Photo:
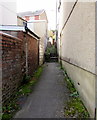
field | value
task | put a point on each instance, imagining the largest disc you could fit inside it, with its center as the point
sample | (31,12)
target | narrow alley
(48,98)
(56,41)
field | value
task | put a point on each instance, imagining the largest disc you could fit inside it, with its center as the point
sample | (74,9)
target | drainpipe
(26,43)
(26,49)
(56,21)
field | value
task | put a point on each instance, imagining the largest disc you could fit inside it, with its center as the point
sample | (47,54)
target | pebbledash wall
(77,47)
(19,57)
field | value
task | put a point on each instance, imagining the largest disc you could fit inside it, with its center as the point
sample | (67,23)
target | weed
(70,85)
(75,107)
(38,72)
(61,67)
(9,110)
(24,90)
(26,79)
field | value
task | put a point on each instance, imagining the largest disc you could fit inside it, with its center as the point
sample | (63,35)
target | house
(8,14)
(77,47)
(38,23)
(37,15)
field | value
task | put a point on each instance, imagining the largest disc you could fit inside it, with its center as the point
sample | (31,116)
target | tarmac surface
(49,96)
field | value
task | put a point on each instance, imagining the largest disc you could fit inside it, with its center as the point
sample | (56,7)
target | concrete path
(49,96)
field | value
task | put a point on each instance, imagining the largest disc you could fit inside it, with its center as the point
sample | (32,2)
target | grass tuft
(24,90)
(75,107)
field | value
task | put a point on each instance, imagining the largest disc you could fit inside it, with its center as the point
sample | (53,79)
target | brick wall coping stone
(12,27)
(7,35)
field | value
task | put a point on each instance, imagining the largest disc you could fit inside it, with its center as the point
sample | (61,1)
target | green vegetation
(10,109)
(75,107)
(51,49)
(50,52)
(26,88)
(70,84)
(37,74)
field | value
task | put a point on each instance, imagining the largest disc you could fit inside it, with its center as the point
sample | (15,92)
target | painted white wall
(79,36)
(78,48)
(62,17)
(31,26)
(8,14)
(40,27)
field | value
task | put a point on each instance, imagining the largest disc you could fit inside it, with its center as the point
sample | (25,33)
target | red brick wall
(27,18)
(14,60)
(33,48)
(37,17)
(33,54)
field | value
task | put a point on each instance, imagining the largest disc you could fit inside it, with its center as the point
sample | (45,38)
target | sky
(33,5)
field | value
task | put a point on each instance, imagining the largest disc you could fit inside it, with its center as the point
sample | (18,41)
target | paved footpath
(49,95)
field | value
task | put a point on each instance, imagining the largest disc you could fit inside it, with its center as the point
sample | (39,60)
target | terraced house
(38,23)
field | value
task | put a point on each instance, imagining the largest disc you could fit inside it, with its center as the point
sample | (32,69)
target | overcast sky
(32,5)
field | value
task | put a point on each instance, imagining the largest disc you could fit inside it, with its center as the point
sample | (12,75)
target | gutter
(35,21)
(28,30)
